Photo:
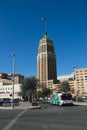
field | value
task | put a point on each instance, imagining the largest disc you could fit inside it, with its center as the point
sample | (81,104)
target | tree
(65,87)
(44,93)
(28,87)
(39,94)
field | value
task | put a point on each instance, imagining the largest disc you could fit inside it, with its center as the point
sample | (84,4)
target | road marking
(13,121)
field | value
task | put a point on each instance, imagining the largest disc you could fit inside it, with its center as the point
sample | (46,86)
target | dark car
(16,100)
(25,99)
(4,101)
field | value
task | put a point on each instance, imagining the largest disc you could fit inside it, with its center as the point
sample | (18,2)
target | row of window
(5,89)
(4,92)
(81,71)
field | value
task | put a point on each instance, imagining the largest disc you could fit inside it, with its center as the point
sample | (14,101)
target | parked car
(4,101)
(16,100)
(25,99)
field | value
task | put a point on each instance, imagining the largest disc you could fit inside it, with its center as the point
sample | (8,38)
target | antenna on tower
(45,24)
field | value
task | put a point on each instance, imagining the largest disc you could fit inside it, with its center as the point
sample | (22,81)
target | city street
(49,117)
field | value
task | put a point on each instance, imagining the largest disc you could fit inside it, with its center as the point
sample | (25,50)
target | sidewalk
(80,103)
(23,105)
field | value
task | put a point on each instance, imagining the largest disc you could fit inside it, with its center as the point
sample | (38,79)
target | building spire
(45,24)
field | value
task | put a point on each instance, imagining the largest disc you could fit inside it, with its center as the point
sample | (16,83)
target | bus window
(66,97)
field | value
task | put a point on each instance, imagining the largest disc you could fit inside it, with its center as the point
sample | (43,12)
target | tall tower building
(46,62)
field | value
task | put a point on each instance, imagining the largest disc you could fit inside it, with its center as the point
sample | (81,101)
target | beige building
(81,81)
(18,78)
(46,62)
(70,78)
(77,81)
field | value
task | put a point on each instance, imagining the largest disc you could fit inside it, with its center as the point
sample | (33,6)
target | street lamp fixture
(74,68)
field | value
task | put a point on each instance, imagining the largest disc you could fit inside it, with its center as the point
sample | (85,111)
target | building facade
(81,81)
(6,85)
(77,81)
(18,78)
(46,62)
(70,78)
(6,90)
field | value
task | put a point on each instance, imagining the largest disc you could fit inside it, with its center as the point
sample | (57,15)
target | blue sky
(21,29)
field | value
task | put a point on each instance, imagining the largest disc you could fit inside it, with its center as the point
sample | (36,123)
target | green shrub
(34,104)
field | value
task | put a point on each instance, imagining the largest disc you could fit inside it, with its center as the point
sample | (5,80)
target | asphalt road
(47,118)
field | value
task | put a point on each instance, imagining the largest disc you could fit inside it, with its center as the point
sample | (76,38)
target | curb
(34,107)
(79,103)
(19,107)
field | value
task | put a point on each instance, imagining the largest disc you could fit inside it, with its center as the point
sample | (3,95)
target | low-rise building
(77,81)
(6,91)
(18,78)
(6,85)
(70,78)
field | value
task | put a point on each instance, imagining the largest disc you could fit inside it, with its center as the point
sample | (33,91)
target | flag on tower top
(43,18)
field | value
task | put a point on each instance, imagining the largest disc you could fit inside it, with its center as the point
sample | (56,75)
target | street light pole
(74,68)
(14,58)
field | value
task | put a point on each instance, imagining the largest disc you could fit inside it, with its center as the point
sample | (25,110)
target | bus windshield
(66,97)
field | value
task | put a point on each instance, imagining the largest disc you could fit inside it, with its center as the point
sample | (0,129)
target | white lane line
(13,121)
